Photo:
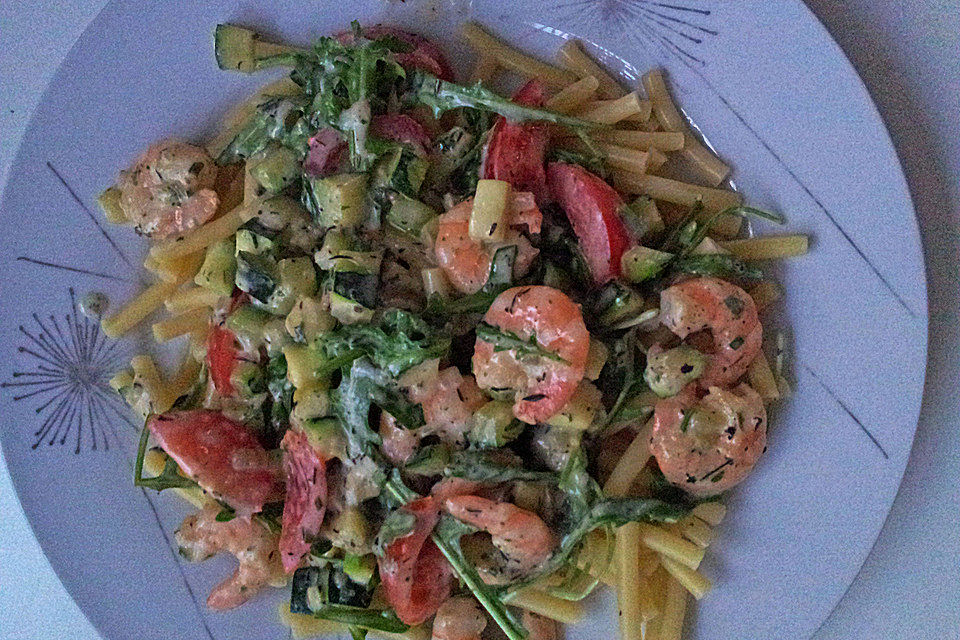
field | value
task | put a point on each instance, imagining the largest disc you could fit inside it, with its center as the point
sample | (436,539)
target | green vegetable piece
(642,217)
(494,425)
(239,49)
(219,269)
(618,302)
(360,568)
(429,460)
(348,311)
(719,265)
(359,287)
(409,215)
(503,340)
(256,275)
(336,201)
(642,263)
(670,371)
(247,322)
(297,279)
(252,242)
(275,168)
(247,378)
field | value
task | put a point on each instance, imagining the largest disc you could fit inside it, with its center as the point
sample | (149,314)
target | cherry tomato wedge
(222,358)
(415,575)
(221,455)
(305,472)
(592,206)
(516,150)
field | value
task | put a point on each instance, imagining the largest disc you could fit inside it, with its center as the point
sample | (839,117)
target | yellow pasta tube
(573,96)
(179,325)
(624,158)
(762,380)
(685,195)
(765,294)
(655,159)
(674,609)
(768,247)
(177,270)
(146,375)
(544,604)
(514,60)
(484,70)
(710,166)
(573,57)
(710,512)
(613,111)
(643,140)
(192,298)
(201,238)
(671,545)
(593,557)
(135,311)
(696,531)
(181,382)
(631,463)
(693,581)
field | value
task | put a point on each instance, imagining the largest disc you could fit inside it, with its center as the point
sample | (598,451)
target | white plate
(762,80)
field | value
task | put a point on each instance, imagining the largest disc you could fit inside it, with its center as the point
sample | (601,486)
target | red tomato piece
(305,503)
(325,152)
(222,358)
(592,206)
(424,55)
(515,151)
(400,127)
(222,456)
(415,575)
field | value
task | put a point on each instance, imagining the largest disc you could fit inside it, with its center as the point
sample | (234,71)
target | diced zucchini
(308,319)
(670,371)
(386,166)
(642,217)
(435,282)
(337,201)
(256,275)
(359,287)
(275,168)
(247,322)
(596,359)
(109,202)
(409,215)
(580,412)
(501,268)
(360,568)
(337,254)
(297,279)
(643,263)
(233,48)
(252,242)
(487,218)
(348,311)
(429,460)
(219,268)
(708,246)
(275,336)
(350,531)
(327,437)
(618,302)
(554,276)
(310,403)
(247,378)
(121,381)
(303,364)
(278,212)
(494,425)
(400,170)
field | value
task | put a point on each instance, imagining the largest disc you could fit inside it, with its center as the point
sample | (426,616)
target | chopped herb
(504,340)
(736,343)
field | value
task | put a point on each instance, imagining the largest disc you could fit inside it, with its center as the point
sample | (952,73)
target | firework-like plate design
(765,82)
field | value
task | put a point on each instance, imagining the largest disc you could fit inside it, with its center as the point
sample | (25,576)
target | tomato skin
(416,577)
(222,358)
(516,151)
(592,206)
(223,456)
(306,496)
(399,127)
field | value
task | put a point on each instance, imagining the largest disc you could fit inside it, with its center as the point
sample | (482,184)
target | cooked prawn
(727,312)
(202,536)
(710,445)
(459,618)
(520,535)
(539,627)
(169,189)
(467,261)
(448,405)
(542,385)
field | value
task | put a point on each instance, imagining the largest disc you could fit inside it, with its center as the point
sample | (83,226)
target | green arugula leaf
(503,340)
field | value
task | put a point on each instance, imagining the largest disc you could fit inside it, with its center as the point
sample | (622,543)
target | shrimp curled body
(459,618)
(169,189)
(727,312)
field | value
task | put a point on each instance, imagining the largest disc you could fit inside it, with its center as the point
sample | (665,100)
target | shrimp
(710,445)
(727,312)
(169,189)
(202,536)
(539,627)
(521,536)
(542,385)
(459,618)
(399,443)
(466,261)
(448,405)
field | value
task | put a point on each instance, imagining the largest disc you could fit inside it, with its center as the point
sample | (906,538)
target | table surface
(907,54)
